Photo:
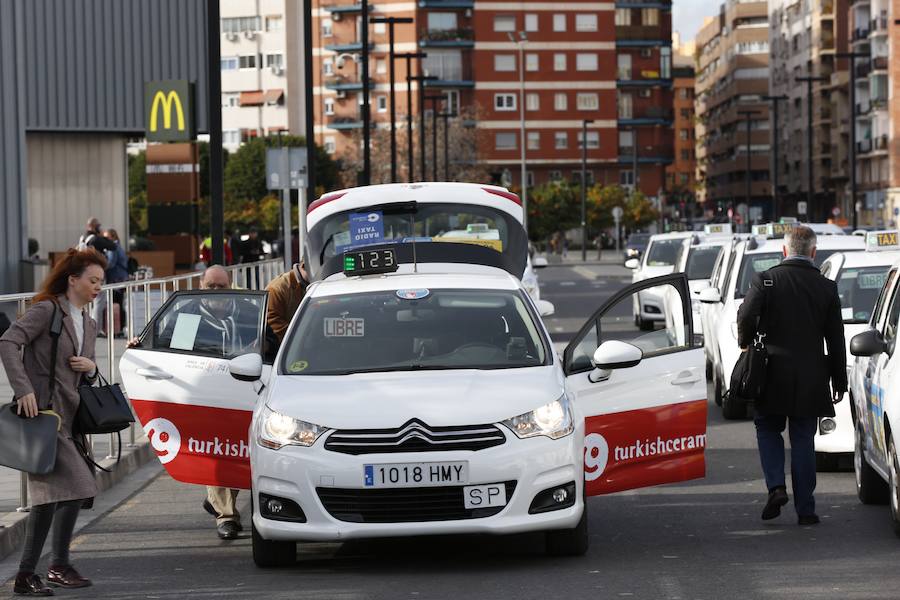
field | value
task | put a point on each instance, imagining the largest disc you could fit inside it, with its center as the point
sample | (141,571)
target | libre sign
(169,111)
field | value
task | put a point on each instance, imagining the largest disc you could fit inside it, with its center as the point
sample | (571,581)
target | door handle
(685,377)
(153,374)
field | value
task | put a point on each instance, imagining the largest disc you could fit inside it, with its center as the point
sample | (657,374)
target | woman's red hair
(73,264)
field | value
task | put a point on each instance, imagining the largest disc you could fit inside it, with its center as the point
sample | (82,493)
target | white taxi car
(413,398)
(726,294)
(860,277)
(662,254)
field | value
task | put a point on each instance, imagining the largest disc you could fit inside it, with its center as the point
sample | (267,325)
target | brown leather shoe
(67,577)
(29,584)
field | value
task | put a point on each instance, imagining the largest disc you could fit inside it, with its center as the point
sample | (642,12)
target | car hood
(650,272)
(698,285)
(438,398)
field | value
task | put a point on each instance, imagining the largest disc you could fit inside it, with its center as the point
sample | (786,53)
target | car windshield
(663,253)
(757,263)
(415,329)
(858,289)
(701,261)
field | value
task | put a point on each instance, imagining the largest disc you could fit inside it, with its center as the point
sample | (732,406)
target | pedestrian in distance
(285,294)
(116,272)
(26,350)
(93,238)
(797,308)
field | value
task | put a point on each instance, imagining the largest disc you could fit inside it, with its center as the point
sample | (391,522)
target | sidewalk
(607,257)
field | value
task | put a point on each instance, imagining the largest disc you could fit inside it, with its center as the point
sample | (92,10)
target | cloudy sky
(687,16)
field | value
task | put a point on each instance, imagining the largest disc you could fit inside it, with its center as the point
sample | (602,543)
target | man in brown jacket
(285,294)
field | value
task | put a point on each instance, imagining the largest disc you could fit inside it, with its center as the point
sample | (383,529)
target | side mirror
(632,263)
(867,343)
(246,367)
(539,263)
(710,296)
(615,354)
(545,309)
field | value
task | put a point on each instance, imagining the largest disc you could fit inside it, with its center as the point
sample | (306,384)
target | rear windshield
(757,263)
(858,289)
(638,238)
(701,261)
(664,253)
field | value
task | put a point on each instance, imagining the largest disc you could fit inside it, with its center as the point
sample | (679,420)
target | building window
(381,103)
(587,101)
(586,22)
(555,176)
(230,99)
(379,28)
(247,62)
(505,141)
(504,23)
(561,140)
(665,63)
(685,93)
(529,178)
(504,62)
(327,30)
(683,134)
(380,66)
(534,140)
(328,66)
(330,145)
(626,141)
(685,155)
(593,139)
(274,60)
(239,24)
(586,62)
(329,106)
(531,62)
(229,63)
(624,66)
(576,177)
(646,52)
(445,64)
(625,106)
(560,101)
(645,93)
(231,137)
(559,62)
(442,21)
(626,177)
(559,22)
(683,178)
(452,101)
(532,101)
(274,23)
(623,17)
(531,22)
(649,16)
(685,113)
(504,102)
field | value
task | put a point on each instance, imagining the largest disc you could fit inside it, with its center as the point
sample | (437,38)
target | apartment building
(681,174)
(731,81)
(261,52)
(644,84)
(805,37)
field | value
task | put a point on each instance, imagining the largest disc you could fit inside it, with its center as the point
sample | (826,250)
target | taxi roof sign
(881,241)
(774,230)
(717,229)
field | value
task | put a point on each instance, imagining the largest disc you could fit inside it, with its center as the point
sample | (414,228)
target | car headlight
(553,420)
(277,430)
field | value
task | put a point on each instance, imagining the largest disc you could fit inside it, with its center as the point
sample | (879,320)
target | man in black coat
(798,308)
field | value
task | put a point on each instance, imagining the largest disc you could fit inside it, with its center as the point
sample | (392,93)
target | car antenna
(412,233)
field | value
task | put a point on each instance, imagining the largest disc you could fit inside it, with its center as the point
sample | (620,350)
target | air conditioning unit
(341,94)
(231,36)
(335,16)
(249,34)
(277,70)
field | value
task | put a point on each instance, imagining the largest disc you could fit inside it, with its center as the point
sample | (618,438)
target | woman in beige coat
(26,350)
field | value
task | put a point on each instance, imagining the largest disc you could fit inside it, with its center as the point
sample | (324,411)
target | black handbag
(103,408)
(29,444)
(748,380)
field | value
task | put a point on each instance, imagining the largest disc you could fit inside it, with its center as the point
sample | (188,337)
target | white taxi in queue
(417,399)
(663,252)
(859,277)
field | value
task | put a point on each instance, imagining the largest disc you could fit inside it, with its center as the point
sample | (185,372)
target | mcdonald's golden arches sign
(169,111)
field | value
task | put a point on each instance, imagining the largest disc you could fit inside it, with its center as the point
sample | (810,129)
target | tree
(552,207)
(637,210)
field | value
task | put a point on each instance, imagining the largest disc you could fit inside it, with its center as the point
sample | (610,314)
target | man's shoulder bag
(748,380)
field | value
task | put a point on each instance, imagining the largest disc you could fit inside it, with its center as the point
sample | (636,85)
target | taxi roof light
(718,229)
(883,240)
(773,231)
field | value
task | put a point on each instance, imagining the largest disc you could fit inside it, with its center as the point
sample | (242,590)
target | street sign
(836,211)
(617,213)
(169,111)
(287,173)
(801,207)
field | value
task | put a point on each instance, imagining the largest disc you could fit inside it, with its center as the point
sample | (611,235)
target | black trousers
(62,516)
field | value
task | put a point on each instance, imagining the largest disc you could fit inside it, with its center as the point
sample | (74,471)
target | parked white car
(663,253)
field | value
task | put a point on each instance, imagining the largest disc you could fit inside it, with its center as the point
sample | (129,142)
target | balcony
(660,4)
(863,108)
(860,34)
(344,83)
(863,146)
(880,63)
(828,7)
(879,24)
(344,8)
(646,78)
(643,33)
(863,70)
(448,38)
(445,4)
(344,123)
(880,142)
(660,154)
(349,47)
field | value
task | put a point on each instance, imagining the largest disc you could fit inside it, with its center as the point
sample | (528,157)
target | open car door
(196,415)
(643,393)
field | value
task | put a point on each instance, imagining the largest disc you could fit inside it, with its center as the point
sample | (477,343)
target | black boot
(29,584)
(777,498)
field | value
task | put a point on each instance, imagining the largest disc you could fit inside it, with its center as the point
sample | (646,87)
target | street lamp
(747,114)
(810,194)
(409,56)
(434,100)
(366,116)
(776,134)
(584,124)
(421,79)
(523,38)
(853,56)
(445,116)
(391,21)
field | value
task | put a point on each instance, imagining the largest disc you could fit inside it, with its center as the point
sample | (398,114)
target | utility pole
(434,115)
(409,56)
(584,241)
(214,114)
(776,134)
(523,167)
(810,193)
(421,79)
(309,110)
(445,116)
(366,114)
(853,56)
(391,21)
(747,114)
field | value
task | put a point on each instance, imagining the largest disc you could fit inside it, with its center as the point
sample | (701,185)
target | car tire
(733,408)
(569,542)
(870,487)
(894,485)
(267,553)
(827,462)
(717,387)
(709,370)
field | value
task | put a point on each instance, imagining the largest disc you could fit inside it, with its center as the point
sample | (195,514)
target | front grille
(414,436)
(404,505)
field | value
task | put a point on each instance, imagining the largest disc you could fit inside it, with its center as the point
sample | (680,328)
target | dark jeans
(62,515)
(802,431)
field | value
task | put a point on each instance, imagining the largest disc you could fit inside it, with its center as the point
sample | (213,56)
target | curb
(12,525)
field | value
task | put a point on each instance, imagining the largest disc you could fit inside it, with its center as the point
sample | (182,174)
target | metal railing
(150,294)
